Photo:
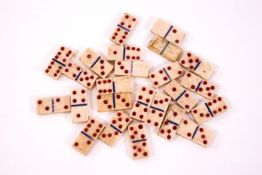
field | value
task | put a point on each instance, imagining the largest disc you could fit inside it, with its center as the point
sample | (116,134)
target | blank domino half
(132,68)
(164,48)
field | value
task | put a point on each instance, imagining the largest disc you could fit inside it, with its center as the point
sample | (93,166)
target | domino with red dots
(79,105)
(157,109)
(171,122)
(51,105)
(138,140)
(115,129)
(168,31)
(113,102)
(199,134)
(84,77)
(114,94)
(58,62)
(97,63)
(123,29)
(197,65)
(198,85)
(142,104)
(114,85)
(164,48)
(166,74)
(131,68)
(88,136)
(124,52)
(180,95)
(207,110)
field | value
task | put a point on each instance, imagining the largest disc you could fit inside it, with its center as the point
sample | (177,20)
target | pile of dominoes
(180,100)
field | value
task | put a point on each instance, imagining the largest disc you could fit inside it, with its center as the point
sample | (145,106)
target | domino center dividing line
(124,52)
(209,110)
(174,123)
(94,63)
(78,75)
(180,95)
(136,141)
(122,27)
(198,86)
(140,102)
(158,109)
(58,62)
(113,94)
(53,105)
(115,128)
(168,31)
(131,68)
(164,48)
(87,135)
(167,74)
(197,65)
(194,133)
(79,105)
(113,87)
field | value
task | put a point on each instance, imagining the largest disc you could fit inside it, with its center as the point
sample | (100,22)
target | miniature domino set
(179,100)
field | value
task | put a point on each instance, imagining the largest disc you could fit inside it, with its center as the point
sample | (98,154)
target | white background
(227,33)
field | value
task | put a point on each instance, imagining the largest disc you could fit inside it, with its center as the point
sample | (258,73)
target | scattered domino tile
(157,109)
(123,29)
(58,62)
(142,104)
(197,65)
(88,136)
(84,77)
(197,133)
(167,31)
(97,63)
(166,74)
(124,52)
(114,85)
(115,128)
(171,122)
(79,105)
(114,94)
(131,68)
(114,101)
(51,105)
(180,95)
(164,48)
(198,85)
(207,110)
(138,140)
